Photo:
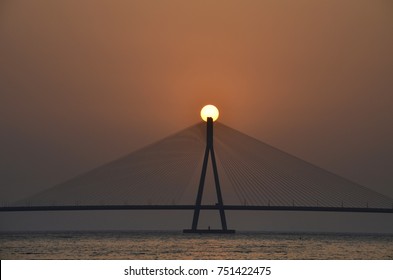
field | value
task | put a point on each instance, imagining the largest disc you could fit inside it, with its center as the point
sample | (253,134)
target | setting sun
(209,111)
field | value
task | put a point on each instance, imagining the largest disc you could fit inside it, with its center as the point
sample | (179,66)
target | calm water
(175,245)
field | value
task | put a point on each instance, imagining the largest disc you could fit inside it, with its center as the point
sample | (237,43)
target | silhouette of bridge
(165,174)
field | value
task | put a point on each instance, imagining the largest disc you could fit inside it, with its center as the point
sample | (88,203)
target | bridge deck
(192,207)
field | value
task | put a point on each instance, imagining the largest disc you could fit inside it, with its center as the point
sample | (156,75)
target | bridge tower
(220,204)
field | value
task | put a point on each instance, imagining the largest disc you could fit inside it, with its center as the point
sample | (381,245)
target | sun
(209,111)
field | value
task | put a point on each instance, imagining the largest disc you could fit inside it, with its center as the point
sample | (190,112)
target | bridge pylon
(220,204)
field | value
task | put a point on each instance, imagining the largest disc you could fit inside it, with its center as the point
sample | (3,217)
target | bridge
(175,174)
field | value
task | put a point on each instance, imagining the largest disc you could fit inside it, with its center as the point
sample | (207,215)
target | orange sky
(84,82)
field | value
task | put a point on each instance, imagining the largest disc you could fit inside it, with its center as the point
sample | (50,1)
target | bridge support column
(220,204)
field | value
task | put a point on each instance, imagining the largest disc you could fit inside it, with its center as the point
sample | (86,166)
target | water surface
(176,245)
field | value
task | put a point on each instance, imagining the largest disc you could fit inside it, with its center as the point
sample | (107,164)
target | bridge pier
(209,150)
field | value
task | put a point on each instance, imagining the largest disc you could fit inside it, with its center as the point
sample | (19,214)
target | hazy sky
(84,82)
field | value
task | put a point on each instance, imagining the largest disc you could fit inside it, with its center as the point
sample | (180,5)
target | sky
(85,82)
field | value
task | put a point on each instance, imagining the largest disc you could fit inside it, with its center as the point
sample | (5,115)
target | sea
(140,245)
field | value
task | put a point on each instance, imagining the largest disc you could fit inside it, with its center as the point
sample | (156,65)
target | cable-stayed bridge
(165,175)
